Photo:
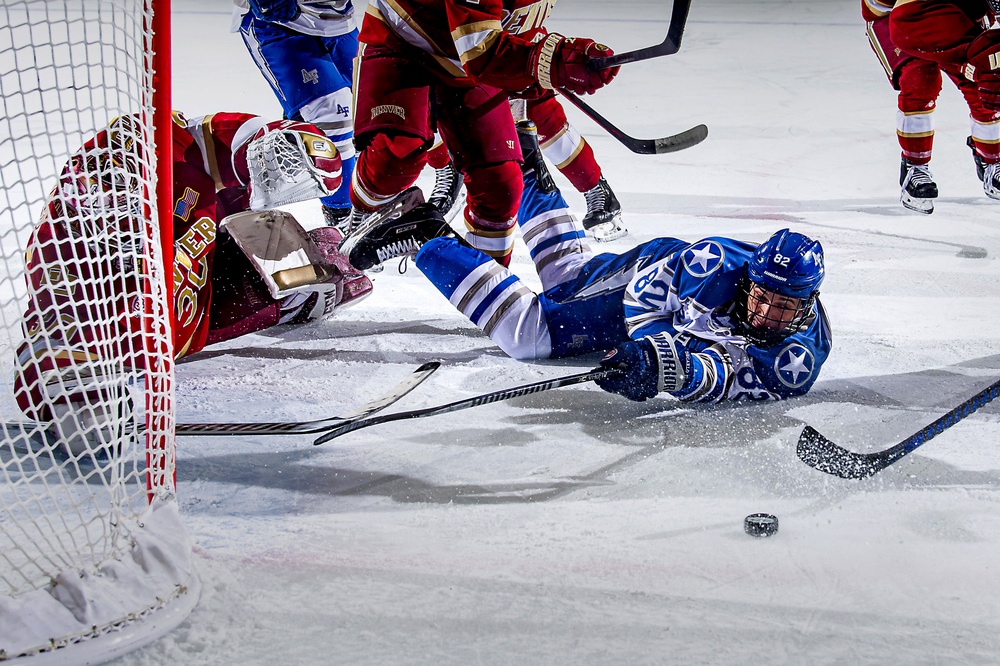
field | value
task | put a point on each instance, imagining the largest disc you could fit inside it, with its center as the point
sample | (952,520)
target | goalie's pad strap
(293,278)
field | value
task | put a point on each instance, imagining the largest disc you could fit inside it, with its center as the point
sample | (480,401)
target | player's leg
(918,82)
(553,236)
(311,78)
(392,129)
(984,139)
(490,295)
(919,87)
(565,147)
(478,128)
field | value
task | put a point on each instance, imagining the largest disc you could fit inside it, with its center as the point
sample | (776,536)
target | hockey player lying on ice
(712,320)
(80,268)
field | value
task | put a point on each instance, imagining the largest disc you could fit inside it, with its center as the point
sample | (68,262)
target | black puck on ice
(760,524)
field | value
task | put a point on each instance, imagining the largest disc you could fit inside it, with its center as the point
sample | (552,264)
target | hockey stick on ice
(669,46)
(484,399)
(305,427)
(667,144)
(817,451)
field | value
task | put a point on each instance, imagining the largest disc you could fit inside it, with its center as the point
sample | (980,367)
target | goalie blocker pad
(281,251)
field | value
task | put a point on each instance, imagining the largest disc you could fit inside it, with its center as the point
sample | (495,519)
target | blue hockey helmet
(780,287)
(789,264)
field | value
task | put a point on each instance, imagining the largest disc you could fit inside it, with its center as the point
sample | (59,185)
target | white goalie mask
(102,192)
(290,162)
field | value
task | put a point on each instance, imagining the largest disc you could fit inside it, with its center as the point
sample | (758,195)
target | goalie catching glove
(649,366)
(286,162)
(562,62)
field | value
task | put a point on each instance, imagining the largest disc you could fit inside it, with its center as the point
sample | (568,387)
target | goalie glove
(983,67)
(649,366)
(561,62)
(275,10)
(288,161)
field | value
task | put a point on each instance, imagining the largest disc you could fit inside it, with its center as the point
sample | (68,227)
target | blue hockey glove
(275,10)
(650,365)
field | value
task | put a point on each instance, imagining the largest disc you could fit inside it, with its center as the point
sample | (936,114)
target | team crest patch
(186,204)
(703,258)
(794,365)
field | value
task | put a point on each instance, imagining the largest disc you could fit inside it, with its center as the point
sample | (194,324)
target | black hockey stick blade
(667,144)
(486,398)
(820,453)
(670,45)
(416,378)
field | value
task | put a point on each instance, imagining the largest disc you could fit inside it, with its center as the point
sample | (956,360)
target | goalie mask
(100,197)
(780,287)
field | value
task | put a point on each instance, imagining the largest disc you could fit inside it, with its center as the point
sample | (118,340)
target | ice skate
(338,218)
(397,230)
(977,158)
(448,193)
(991,180)
(531,153)
(603,218)
(918,187)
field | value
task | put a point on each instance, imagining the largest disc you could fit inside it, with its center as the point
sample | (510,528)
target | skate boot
(448,192)
(977,158)
(918,187)
(531,152)
(339,218)
(991,181)
(399,229)
(603,218)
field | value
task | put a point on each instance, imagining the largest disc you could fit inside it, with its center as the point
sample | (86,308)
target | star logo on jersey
(704,258)
(794,365)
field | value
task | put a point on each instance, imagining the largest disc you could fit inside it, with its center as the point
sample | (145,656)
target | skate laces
(444,180)
(400,248)
(919,174)
(991,180)
(595,198)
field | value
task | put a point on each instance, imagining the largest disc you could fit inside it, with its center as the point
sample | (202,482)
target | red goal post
(94,558)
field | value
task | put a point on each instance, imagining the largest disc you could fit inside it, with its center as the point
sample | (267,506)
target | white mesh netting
(85,364)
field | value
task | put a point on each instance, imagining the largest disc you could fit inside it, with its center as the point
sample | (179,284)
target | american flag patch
(186,204)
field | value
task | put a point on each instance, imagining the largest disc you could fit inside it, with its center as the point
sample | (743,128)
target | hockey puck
(760,524)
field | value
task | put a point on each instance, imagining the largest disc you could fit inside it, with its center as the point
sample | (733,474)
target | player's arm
(492,56)
(658,363)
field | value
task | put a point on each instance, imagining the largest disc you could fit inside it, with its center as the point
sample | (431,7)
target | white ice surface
(576,527)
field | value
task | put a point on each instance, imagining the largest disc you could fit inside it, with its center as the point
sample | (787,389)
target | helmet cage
(766,317)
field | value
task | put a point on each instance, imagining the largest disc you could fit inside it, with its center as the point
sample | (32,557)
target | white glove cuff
(672,375)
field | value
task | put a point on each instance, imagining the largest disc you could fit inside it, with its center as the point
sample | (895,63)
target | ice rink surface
(576,527)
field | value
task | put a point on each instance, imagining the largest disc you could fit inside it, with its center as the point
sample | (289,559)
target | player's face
(770,311)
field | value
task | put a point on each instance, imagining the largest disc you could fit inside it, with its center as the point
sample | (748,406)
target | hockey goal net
(94,560)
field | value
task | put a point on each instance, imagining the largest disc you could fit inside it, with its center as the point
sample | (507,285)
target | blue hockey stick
(817,451)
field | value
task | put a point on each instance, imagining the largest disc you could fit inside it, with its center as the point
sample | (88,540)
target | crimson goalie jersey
(81,296)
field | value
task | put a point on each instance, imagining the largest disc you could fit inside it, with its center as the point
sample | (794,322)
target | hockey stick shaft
(667,144)
(817,451)
(416,378)
(486,398)
(670,44)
